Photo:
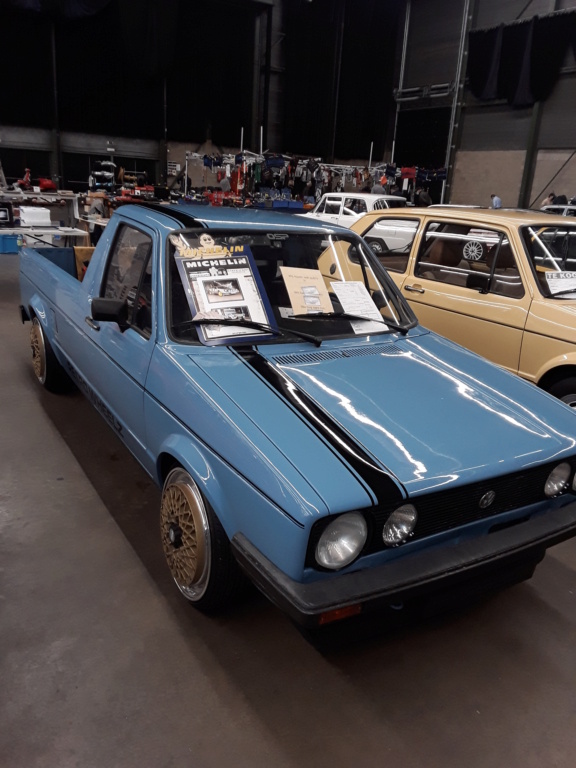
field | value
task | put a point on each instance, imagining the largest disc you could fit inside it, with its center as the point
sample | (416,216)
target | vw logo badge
(487,499)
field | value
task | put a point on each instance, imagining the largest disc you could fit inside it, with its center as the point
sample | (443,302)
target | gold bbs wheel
(47,369)
(38,351)
(186,536)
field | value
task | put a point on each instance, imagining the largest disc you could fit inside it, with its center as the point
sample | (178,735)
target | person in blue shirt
(496,201)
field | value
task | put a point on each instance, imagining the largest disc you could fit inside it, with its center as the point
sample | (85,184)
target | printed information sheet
(220,284)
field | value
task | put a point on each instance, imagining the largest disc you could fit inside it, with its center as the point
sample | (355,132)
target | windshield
(229,287)
(552,256)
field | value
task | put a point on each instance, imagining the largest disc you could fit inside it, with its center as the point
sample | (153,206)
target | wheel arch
(181,451)
(556,374)
(36,308)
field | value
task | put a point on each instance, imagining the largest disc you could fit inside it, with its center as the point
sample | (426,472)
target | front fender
(241,507)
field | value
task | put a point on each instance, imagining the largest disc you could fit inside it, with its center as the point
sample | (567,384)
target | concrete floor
(104,665)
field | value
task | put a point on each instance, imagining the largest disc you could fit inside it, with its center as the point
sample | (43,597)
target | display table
(98,221)
(40,235)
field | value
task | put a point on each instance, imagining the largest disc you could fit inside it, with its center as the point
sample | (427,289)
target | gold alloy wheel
(185,534)
(38,350)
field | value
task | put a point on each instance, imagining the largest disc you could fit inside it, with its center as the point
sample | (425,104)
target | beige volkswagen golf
(500,282)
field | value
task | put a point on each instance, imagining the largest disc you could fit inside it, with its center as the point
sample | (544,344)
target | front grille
(446,510)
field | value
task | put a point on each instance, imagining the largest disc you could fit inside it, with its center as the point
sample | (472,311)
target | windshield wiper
(347,316)
(280,331)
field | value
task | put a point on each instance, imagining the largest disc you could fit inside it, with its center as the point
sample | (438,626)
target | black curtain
(520,62)
(70,9)
(553,36)
(421,137)
(357,74)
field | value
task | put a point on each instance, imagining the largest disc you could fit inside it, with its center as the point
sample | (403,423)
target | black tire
(47,369)
(196,547)
(565,390)
(378,245)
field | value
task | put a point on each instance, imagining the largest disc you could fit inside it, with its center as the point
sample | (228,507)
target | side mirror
(111,311)
(478,281)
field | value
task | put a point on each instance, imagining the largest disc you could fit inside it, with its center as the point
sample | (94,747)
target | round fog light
(400,525)
(341,541)
(557,481)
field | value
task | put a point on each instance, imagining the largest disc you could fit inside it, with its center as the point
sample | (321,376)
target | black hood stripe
(384,488)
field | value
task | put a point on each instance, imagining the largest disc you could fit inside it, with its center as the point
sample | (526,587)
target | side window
(354,206)
(463,255)
(391,240)
(332,207)
(505,277)
(129,276)
(380,205)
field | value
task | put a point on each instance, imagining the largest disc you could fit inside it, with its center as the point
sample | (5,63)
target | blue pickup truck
(307,433)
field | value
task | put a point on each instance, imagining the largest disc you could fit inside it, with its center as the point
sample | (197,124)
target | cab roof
(223,217)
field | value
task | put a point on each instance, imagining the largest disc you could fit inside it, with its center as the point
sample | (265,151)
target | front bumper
(441,569)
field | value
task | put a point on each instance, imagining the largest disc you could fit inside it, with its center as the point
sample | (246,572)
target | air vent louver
(323,355)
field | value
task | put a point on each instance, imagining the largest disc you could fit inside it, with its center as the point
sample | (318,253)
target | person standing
(496,201)
(422,197)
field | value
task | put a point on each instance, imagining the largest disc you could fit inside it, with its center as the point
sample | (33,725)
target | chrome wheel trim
(569,399)
(38,350)
(189,556)
(473,250)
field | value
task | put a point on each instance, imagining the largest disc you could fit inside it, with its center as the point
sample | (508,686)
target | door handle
(414,289)
(91,323)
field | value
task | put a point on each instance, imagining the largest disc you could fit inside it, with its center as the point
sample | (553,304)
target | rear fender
(39,308)
(558,368)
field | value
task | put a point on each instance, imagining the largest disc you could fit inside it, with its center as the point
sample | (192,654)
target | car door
(466,285)
(328,209)
(112,364)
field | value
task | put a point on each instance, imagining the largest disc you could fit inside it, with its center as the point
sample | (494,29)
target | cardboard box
(32,216)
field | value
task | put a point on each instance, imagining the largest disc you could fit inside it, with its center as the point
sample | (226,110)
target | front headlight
(400,525)
(341,541)
(558,479)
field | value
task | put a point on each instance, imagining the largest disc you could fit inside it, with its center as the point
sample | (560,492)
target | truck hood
(427,411)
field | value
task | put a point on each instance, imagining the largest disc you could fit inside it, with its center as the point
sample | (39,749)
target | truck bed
(72,260)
